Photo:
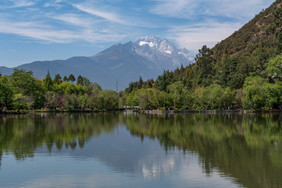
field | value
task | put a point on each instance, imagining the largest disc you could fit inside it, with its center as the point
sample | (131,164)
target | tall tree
(65,79)
(6,95)
(71,78)
(57,79)
(79,80)
(48,83)
(204,66)
(140,82)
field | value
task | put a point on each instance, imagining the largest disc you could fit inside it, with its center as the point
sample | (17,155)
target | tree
(48,83)
(79,80)
(274,67)
(71,78)
(65,79)
(258,93)
(108,100)
(69,88)
(6,95)
(204,66)
(178,93)
(163,81)
(83,81)
(57,79)
(140,82)
(25,84)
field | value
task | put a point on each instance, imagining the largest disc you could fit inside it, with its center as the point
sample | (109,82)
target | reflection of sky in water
(110,160)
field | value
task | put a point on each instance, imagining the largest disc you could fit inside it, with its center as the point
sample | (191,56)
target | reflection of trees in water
(22,135)
(247,147)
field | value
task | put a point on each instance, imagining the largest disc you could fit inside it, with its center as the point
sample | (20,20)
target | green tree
(178,93)
(69,88)
(6,96)
(274,67)
(48,82)
(258,93)
(21,102)
(108,100)
(71,78)
(140,82)
(25,84)
(65,79)
(163,81)
(204,66)
(57,79)
(79,80)
(82,81)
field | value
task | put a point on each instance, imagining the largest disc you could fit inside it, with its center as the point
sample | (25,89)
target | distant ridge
(147,57)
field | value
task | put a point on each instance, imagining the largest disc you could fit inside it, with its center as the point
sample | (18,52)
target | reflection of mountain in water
(248,148)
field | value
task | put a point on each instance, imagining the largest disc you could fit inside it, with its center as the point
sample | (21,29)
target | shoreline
(13,112)
(202,111)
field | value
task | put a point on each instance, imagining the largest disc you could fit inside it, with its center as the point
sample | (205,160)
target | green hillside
(264,31)
(244,70)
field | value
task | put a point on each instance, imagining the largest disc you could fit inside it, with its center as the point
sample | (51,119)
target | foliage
(48,82)
(6,95)
(275,67)
(24,83)
(71,78)
(58,79)
(258,93)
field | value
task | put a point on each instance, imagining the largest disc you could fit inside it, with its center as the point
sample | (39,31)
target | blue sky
(33,30)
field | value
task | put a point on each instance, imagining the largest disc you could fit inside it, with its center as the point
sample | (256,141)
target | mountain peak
(164,46)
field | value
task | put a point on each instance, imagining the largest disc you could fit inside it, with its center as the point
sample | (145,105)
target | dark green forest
(243,71)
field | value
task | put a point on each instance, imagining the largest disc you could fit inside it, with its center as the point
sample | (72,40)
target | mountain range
(147,57)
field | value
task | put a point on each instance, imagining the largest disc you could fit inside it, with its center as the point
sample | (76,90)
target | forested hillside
(242,70)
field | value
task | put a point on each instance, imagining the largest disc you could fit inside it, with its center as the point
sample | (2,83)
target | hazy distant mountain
(147,57)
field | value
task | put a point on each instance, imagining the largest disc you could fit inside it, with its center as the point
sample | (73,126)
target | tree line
(206,89)
(22,91)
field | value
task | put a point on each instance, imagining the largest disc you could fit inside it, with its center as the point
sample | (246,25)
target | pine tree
(57,79)
(79,80)
(48,83)
(71,78)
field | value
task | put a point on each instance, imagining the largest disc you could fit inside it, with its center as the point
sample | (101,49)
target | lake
(131,150)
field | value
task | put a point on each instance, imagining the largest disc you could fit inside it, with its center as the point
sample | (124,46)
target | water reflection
(247,149)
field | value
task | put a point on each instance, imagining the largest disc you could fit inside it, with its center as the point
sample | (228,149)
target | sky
(32,30)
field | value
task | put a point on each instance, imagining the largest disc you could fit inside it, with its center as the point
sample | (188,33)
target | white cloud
(74,19)
(173,8)
(21,3)
(103,14)
(193,37)
(191,8)
(46,33)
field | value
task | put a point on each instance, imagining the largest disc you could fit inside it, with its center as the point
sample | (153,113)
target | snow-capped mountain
(163,53)
(147,57)
(156,43)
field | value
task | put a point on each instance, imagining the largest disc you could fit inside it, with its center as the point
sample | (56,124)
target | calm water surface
(129,150)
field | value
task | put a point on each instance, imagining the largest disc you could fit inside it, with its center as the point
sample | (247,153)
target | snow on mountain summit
(162,52)
(156,43)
